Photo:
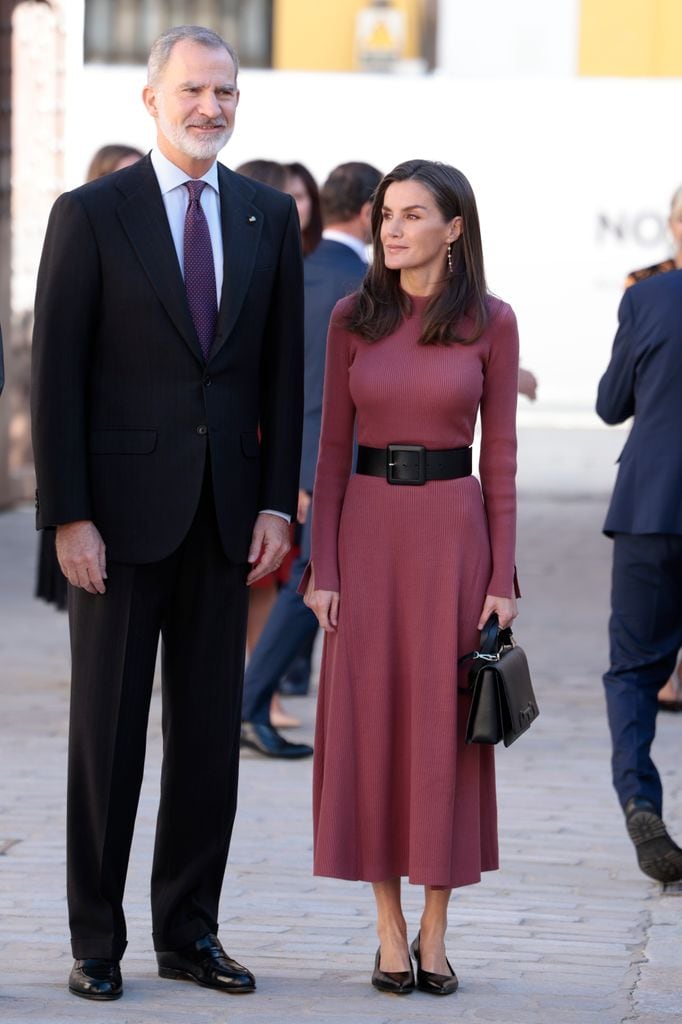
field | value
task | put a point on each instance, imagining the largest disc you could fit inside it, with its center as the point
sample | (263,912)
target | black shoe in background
(266,740)
(658,855)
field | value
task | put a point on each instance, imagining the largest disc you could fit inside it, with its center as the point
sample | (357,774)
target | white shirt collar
(171,176)
(351,241)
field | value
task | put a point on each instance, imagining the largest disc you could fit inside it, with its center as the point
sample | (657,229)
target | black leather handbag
(503,704)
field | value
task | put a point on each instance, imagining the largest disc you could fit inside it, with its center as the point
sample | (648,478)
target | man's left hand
(269,545)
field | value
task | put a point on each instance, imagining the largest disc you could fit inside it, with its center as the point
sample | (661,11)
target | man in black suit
(167,413)
(644,380)
(334,269)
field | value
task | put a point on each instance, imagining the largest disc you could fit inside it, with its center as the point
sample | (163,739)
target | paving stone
(567,932)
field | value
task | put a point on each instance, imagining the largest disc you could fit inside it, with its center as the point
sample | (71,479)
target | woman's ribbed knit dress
(397,792)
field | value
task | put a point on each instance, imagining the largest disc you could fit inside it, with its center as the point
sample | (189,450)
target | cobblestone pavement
(567,932)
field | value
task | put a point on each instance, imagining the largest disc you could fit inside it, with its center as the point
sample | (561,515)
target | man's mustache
(208,123)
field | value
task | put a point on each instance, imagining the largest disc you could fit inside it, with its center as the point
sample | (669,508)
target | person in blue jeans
(334,269)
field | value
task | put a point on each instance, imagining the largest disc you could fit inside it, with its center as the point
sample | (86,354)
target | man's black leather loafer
(95,978)
(206,962)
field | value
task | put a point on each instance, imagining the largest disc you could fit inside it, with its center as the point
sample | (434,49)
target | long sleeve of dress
(335,455)
(497,464)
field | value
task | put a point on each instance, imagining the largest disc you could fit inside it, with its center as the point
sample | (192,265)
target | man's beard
(193,146)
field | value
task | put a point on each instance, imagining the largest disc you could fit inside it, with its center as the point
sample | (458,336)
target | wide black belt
(413,463)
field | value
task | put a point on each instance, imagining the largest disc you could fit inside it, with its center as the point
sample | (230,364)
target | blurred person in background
(51,583)
(263,593)
(303,188)
(528,384)
(301,185)
(297,180)
(644,380)
(113,157)
(268,172)
(410,556)
(675,261)
(334,269)
(670,696)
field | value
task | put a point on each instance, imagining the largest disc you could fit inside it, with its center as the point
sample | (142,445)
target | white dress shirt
(171,179)
(176,200)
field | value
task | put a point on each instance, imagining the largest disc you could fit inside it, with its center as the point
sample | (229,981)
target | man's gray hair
(161,49)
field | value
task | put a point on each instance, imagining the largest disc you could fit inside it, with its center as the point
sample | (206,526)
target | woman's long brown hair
(312,234)
(381,303)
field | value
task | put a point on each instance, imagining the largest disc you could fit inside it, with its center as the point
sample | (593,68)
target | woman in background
(113,157)
(302,187)
(263,593)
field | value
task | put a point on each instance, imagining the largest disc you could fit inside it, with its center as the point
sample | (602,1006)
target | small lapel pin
(252,219)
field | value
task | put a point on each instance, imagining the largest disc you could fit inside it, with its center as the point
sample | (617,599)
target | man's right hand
(80,553)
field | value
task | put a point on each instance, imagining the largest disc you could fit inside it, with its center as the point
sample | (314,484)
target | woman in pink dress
(410,556)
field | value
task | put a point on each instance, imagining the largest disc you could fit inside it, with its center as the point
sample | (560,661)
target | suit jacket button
(202,429)
(206,381)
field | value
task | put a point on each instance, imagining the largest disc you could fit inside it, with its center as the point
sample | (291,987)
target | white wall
(556,165)
(498,38)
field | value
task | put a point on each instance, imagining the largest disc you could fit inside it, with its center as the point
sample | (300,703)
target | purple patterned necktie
(199,269)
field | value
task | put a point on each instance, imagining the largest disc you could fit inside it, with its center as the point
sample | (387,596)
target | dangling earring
(449,257)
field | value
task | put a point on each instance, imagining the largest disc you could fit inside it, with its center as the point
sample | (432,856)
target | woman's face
(296,189)
(675,225)
(414,233)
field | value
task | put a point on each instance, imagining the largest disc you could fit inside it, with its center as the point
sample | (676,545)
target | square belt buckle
(410,457)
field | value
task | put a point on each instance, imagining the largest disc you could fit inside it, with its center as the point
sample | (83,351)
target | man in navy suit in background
(332,271)
(644,380)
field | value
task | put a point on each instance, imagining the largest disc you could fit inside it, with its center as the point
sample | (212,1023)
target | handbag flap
(519,707)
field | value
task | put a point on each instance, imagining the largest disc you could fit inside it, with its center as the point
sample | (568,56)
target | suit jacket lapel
(144,220)
(242,223)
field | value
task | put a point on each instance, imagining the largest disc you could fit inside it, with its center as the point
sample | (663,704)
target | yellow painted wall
(631,38)
(318,35)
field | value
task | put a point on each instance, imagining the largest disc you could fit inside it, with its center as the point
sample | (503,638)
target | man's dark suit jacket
(644,380)
(125,410)
(332,271)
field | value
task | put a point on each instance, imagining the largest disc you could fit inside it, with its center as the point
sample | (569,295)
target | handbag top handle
(492,641)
